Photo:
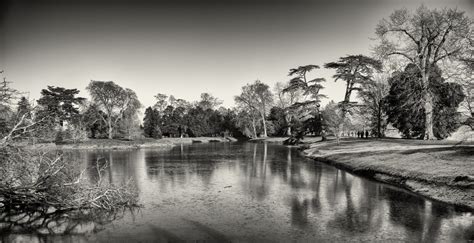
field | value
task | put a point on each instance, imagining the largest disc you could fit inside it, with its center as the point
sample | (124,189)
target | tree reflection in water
(235,191)
(48,222)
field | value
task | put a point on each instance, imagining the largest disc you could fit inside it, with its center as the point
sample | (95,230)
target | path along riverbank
(440,170)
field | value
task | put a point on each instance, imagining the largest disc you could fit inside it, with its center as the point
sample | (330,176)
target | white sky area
(186,50)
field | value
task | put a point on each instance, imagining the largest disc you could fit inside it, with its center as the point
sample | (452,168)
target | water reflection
(250,192)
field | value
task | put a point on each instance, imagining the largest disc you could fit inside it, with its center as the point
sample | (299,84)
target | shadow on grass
(457,151)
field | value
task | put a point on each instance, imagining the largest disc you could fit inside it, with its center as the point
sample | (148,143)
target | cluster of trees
(410,82)
(173,117)
(419,77)
(33,182)
(60,114)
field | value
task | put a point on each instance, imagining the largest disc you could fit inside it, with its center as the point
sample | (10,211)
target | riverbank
(133,144)
(441,170)
(280,140)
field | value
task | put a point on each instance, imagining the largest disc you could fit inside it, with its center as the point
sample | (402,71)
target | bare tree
(425,38)
(256,97)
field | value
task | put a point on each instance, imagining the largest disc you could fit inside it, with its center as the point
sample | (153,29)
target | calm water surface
(264,192)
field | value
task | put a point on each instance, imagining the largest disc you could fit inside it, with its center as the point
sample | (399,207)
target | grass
(443,170)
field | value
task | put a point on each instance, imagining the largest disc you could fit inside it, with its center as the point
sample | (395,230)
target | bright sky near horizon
(185,48)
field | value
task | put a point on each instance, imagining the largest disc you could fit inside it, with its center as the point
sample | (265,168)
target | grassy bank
(442,170)
(135,144)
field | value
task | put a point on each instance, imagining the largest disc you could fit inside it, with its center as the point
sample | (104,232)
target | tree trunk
(379,122)
(429,135)
(264,126)
(254,129)
(428,99)
(109,121)
(288,120)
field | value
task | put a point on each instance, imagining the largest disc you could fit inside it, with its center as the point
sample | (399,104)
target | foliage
(277,119)
(256,98)
(94,122)
(310,88)
(373,95)
(151,123)
(333,119)
(355,70)
(115,102)
(59,104)
(208,102)
(424,39)
(406,111)
(309,105)
(285,100)
(33,181)
(161,102)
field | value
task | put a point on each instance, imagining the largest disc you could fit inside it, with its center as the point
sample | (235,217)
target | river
(263,192)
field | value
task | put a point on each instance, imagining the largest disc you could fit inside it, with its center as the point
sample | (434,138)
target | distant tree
(129,124)
(248,110)
(151,123)
(278,120)
(23,107)
(257,97)
(7,93)
(333,118)
(373,95)
(355,70)
(197,122)
(310,104)
(405,109)
(7,97)
(182,103)
(94,122)
(425,38)
(285,100)
(161,102)
(245,121)
(311,87)
(208,101)
(113,100)
(59,104)
(229,123)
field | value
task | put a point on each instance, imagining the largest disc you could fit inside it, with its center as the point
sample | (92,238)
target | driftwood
(43,190)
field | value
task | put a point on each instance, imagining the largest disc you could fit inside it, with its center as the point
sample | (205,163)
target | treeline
(418,81)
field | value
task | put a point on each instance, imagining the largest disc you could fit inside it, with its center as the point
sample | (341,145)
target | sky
(185,47)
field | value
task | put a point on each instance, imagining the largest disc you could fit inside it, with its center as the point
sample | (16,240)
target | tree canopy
(113,100)
(406,110)
(424,38)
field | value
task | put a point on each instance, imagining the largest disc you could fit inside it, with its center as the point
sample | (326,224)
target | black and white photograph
(236,121)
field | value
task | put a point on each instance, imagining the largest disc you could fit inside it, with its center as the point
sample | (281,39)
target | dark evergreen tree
(94,121)
(59,104)
(405,106)
(151,123)
(23,107)
(278,122)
